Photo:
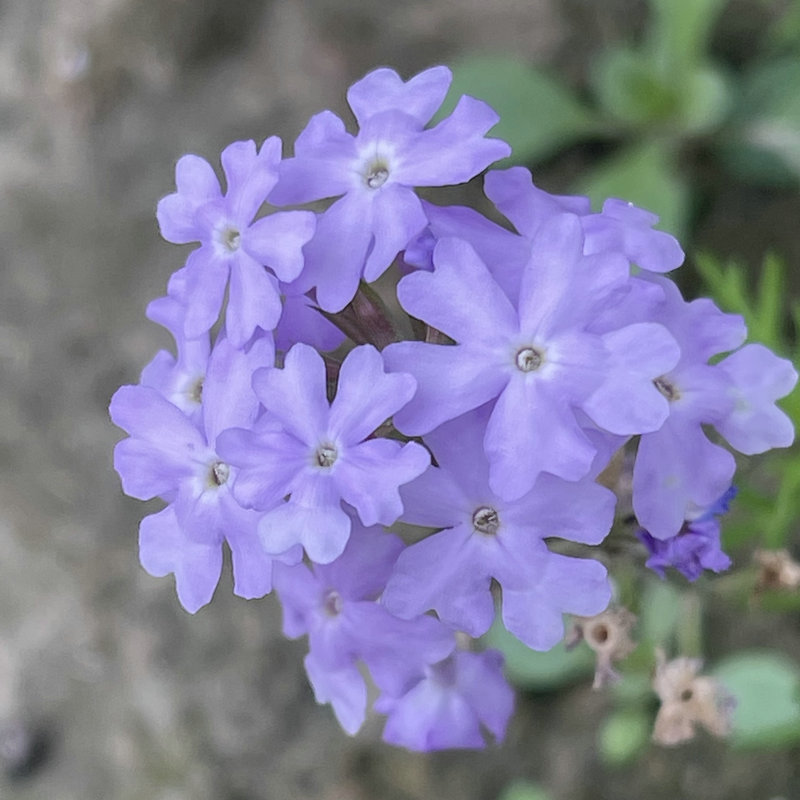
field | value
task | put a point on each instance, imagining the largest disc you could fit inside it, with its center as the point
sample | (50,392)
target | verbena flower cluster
(305,411)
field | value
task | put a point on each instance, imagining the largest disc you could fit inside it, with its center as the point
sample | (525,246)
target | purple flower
(451,705)
(677,467)
(620,227)
(179,380)
(319,453)
(503,252)
(541,361)
(335,605)
(301,321)
(758,378)
(486,537)
(625,227)
(233,248)
(171,456)
(374,172)
(696,547)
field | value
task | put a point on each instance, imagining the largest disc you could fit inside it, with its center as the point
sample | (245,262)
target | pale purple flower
(620,227)
(758,378)
(234,247)
(301,321)
(623,226)
(541,361)
(677,467)
(335,605)
(374,172)
(319,454)
(178,378)
(504,253)
(451,704)
(171,456)
(485,537)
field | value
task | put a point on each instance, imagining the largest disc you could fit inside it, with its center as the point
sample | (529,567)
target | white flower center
(332,603)
(377,173)
(219,473)
(196,390)
(667,388)
(486,520)
(326,455)
(231,239)
(528,359)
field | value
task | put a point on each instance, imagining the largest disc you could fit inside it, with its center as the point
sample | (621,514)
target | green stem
(690,626)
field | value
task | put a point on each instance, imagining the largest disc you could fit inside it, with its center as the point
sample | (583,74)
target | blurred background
(108,689)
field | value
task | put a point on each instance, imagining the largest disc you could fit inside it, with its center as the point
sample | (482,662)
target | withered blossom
(777,570)
(688,700)
(609,635)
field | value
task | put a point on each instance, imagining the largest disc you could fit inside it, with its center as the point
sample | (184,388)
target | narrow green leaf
(725,283)
(764,307)
(538,114)
(770,304)
(778,525)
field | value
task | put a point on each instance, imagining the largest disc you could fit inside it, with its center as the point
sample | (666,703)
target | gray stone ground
(108,689)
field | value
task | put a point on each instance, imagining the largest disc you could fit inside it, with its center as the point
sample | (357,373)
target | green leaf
(647,176)
(769,311)
(766,686)
(763,306)
(524,790)
(764,142)
(680,31)
(540,671)
(538,115)
(623,736)
(784,33)
(706,101)
(630,88)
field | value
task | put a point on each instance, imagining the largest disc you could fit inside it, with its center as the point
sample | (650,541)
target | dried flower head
(688,700)
(608,634)
(777,570)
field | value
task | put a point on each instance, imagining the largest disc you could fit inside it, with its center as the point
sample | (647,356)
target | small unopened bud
(608,634)
(777,570)
(688,699)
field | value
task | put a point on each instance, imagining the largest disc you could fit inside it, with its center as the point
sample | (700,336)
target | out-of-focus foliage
(766,686)
(659,108)
(624,735)
(524,790)
(559,118)
(652,99)
(539,671)
(763,142)
(773,513)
